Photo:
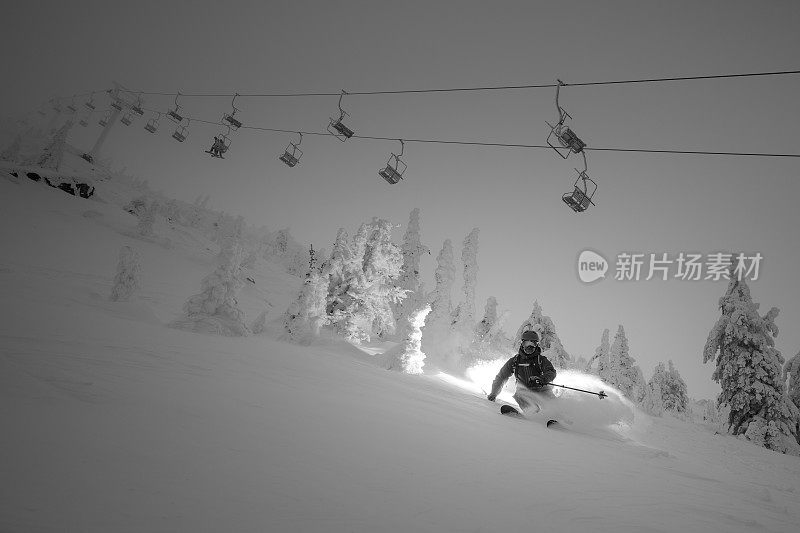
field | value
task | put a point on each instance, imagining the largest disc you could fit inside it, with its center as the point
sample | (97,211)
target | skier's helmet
(530,339)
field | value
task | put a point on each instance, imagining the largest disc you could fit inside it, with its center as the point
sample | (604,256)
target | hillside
(114,422)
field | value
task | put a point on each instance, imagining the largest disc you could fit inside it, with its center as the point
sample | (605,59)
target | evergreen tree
(622,374)
(673,389)
(127,279)
(409,279)
(791,375)
(465,318)
(383,261)
(306,315)
(410,359)
(601,354)
(748,367)
(437,324)
(215,309)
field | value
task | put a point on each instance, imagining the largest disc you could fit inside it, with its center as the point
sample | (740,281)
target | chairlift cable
(484,88)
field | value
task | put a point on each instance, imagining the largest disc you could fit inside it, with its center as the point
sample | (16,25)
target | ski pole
(600,394)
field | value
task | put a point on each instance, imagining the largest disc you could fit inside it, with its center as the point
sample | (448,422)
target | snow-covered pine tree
(127,279)
(469,257)
(335,271)
(410,359)
(652,402)
(383,261)
(11,153)
(639,385)
(749,369)
(489,319)
(791,375)
(623,374)
(215,309)
(306,315)
(54,150)
(409,280)
(437,324)
(673,388)
(551,345)
(601,356)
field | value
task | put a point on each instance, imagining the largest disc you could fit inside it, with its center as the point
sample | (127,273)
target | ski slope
(112,421)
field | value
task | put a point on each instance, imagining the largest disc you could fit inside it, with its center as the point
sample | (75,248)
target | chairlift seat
(90,105)
(340,131)
(71,108)
(103,122)
(116,105)
(569,140)
(289,159)
(138,110)
(577,200)
(230,119)
(178,136)
(175,116)
(150,127)
(126,120)
(390,174)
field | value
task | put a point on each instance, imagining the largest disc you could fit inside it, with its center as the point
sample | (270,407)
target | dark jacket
(525,367)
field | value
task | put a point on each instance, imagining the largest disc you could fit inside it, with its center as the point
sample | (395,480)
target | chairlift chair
(393,173)
(116,104)
(580,198)
(137,107)
(90,102)
(126,119)
(173,114)
(104,120)
(152,124)
(231,118)
(223,146)
(292,158)
(336,127)
(180,133)
(566,141)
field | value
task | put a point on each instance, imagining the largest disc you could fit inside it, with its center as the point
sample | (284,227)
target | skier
(532,370)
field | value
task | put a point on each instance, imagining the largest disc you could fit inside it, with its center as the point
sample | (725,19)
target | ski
(509,410)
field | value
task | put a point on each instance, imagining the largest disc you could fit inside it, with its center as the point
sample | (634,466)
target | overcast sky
(529,239)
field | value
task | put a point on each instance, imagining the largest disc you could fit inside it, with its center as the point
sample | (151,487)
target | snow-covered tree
(490,341)
(551,345)
(791,375)
(469,257)
(601,354)
(749,369)
(11,153)
(622,373)
(383,261)
(409,279)
(306,315)
(652,401)
(639,385)
(54,151)
(437,324)
(489,319)
(410,359)
(216,309)
(127,279)
(673,389)
(336,270)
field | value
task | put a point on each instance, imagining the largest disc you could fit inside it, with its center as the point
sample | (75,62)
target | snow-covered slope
(112,421)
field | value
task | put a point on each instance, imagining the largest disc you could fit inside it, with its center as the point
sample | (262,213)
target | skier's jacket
(525,367)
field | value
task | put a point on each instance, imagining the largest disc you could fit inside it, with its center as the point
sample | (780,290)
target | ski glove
(537,382)
(491,396)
